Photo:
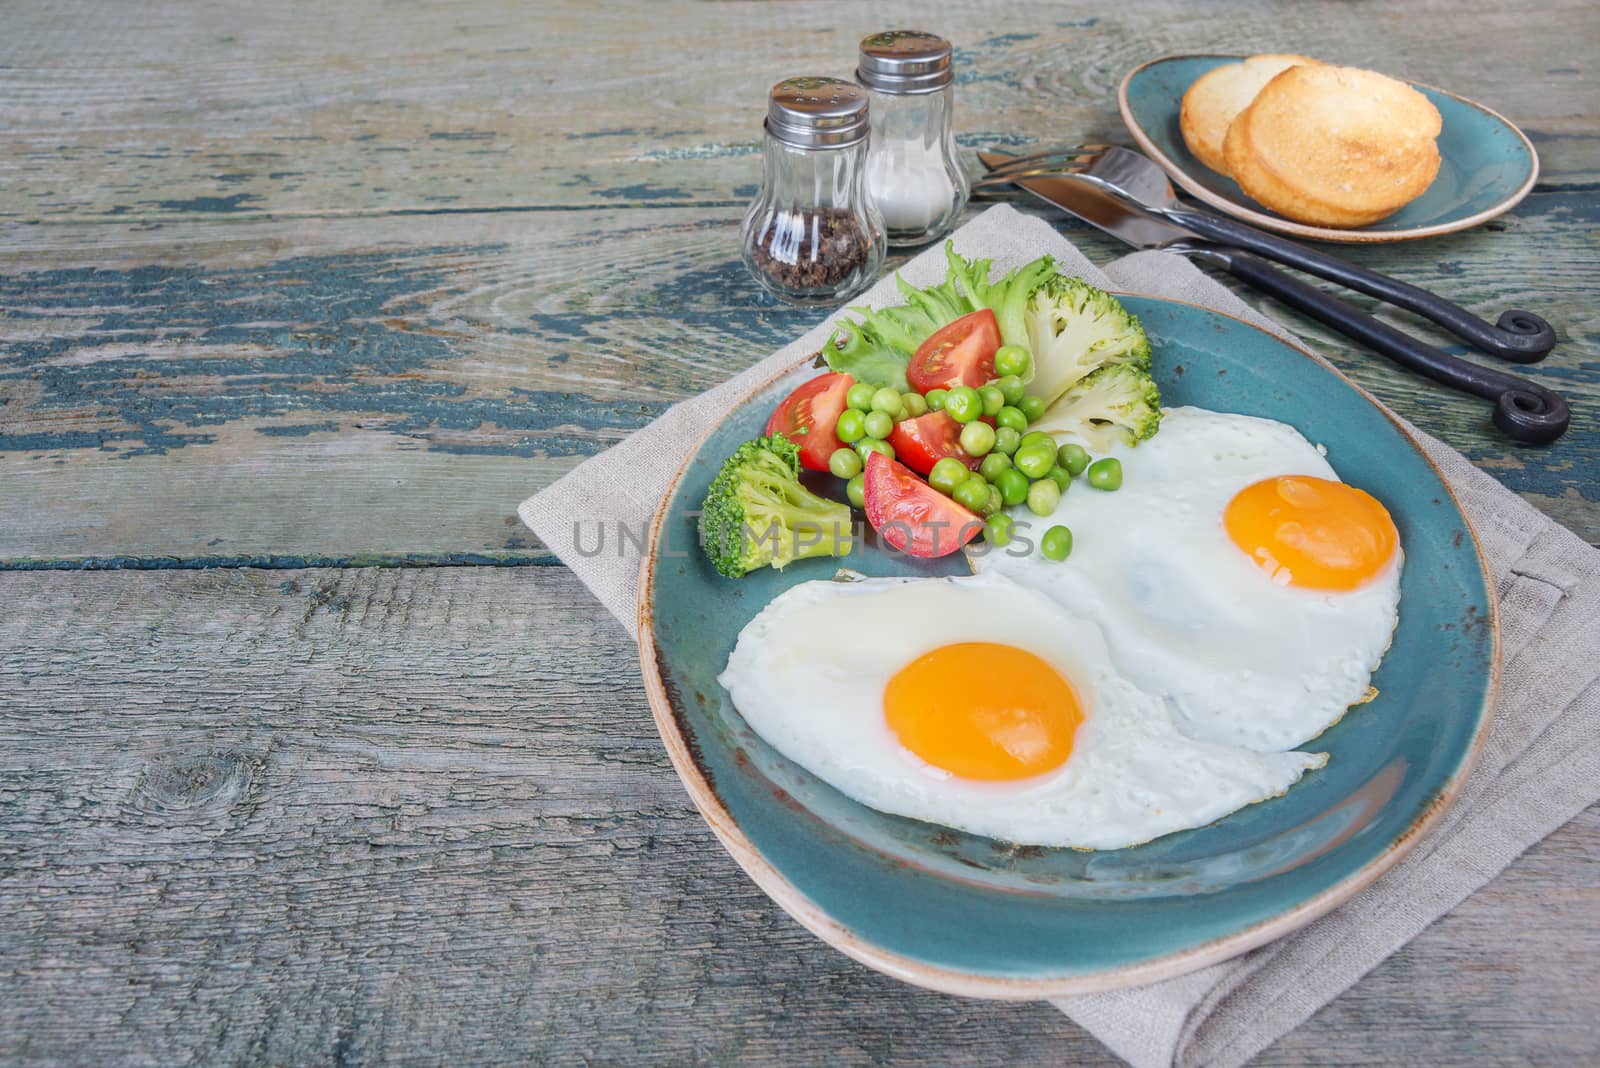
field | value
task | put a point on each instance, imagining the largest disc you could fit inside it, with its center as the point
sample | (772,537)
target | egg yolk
(1312,532)
(982,710)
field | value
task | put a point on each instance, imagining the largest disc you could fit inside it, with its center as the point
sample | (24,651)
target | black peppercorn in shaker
(812,236)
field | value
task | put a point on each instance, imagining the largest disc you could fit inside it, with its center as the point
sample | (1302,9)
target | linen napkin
(1540,766)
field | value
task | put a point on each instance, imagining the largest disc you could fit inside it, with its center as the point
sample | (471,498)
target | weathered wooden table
(310,752)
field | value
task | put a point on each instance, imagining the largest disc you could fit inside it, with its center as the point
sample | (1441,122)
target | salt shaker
(812,236)
(912,172)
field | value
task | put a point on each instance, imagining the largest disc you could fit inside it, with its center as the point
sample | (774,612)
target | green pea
(1013,486)
(1034,459)
(1056,543)
(947,474)
(935,399)
(993,400)
(1013,418)
(993,505)
(1006,440)
(972,494)
(977,439)
(1106,474)
(1074,458)
(1039,435)
(859,396)
(856,490)
(1011,386)
(993,464)
(866,445)
(963,404)
(998,529)
(914,404)
(851,426)
(1043,496)
(878,424)
(1032,407)
(1060,476)
(1012,360)
(888,401)
(845,463)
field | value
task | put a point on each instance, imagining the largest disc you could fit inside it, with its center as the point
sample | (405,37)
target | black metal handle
(1520,336)
(1524,410)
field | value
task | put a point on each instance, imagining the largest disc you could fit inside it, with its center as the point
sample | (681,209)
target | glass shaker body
(912,171)
(812,236)
(913,174)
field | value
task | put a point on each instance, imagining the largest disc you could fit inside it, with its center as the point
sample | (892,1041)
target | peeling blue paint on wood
(703,151)
(329,337)
(643,191)
(297,430)
(979,139)
(214,204)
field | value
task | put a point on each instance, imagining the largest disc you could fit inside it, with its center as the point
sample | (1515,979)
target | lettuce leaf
(857,350)
(877,348)
(1007,298)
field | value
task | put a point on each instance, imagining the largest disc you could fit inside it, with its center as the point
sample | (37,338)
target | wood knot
(195,784)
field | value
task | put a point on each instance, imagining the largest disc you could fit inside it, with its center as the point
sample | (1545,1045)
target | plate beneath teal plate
(1486,164)
(974,916)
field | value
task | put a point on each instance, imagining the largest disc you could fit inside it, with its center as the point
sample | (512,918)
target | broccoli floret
(1074,328)
(757,514)
(1118,402)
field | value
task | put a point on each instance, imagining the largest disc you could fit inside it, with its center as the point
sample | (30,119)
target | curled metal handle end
(1532,415)
(1532,337)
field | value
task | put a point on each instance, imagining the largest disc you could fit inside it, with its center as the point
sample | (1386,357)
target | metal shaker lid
(817,112)
(904,62)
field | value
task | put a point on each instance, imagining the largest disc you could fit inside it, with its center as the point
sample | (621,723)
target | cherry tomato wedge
(911,515)
(924,441)
(808,415)
(958,354)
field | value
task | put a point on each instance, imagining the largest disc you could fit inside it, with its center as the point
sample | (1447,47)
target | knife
(1524,410)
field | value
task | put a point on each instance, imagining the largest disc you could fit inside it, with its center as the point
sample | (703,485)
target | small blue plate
(974,916)
(1486,165)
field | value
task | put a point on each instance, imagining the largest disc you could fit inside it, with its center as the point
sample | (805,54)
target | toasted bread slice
(1220,94)
(1334,146)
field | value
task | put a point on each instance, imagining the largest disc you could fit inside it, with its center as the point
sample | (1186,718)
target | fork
(1519,336)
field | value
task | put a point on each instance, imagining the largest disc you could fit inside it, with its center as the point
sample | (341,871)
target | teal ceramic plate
(974,916)
(1486,164)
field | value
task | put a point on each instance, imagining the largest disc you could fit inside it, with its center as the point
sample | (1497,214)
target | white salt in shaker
(912,172)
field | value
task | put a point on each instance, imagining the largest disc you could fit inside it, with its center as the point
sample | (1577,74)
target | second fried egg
(1232,574)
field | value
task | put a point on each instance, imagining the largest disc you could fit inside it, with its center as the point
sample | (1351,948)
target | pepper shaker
(913,175)
(812,235)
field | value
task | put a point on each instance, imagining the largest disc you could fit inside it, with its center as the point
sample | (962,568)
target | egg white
(808,675)
(1244,661)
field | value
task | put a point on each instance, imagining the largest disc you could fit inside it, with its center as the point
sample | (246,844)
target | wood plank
(400,815)
(157,111)
(388,389)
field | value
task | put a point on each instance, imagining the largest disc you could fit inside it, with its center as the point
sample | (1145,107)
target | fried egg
(1232,574)
(982,705)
